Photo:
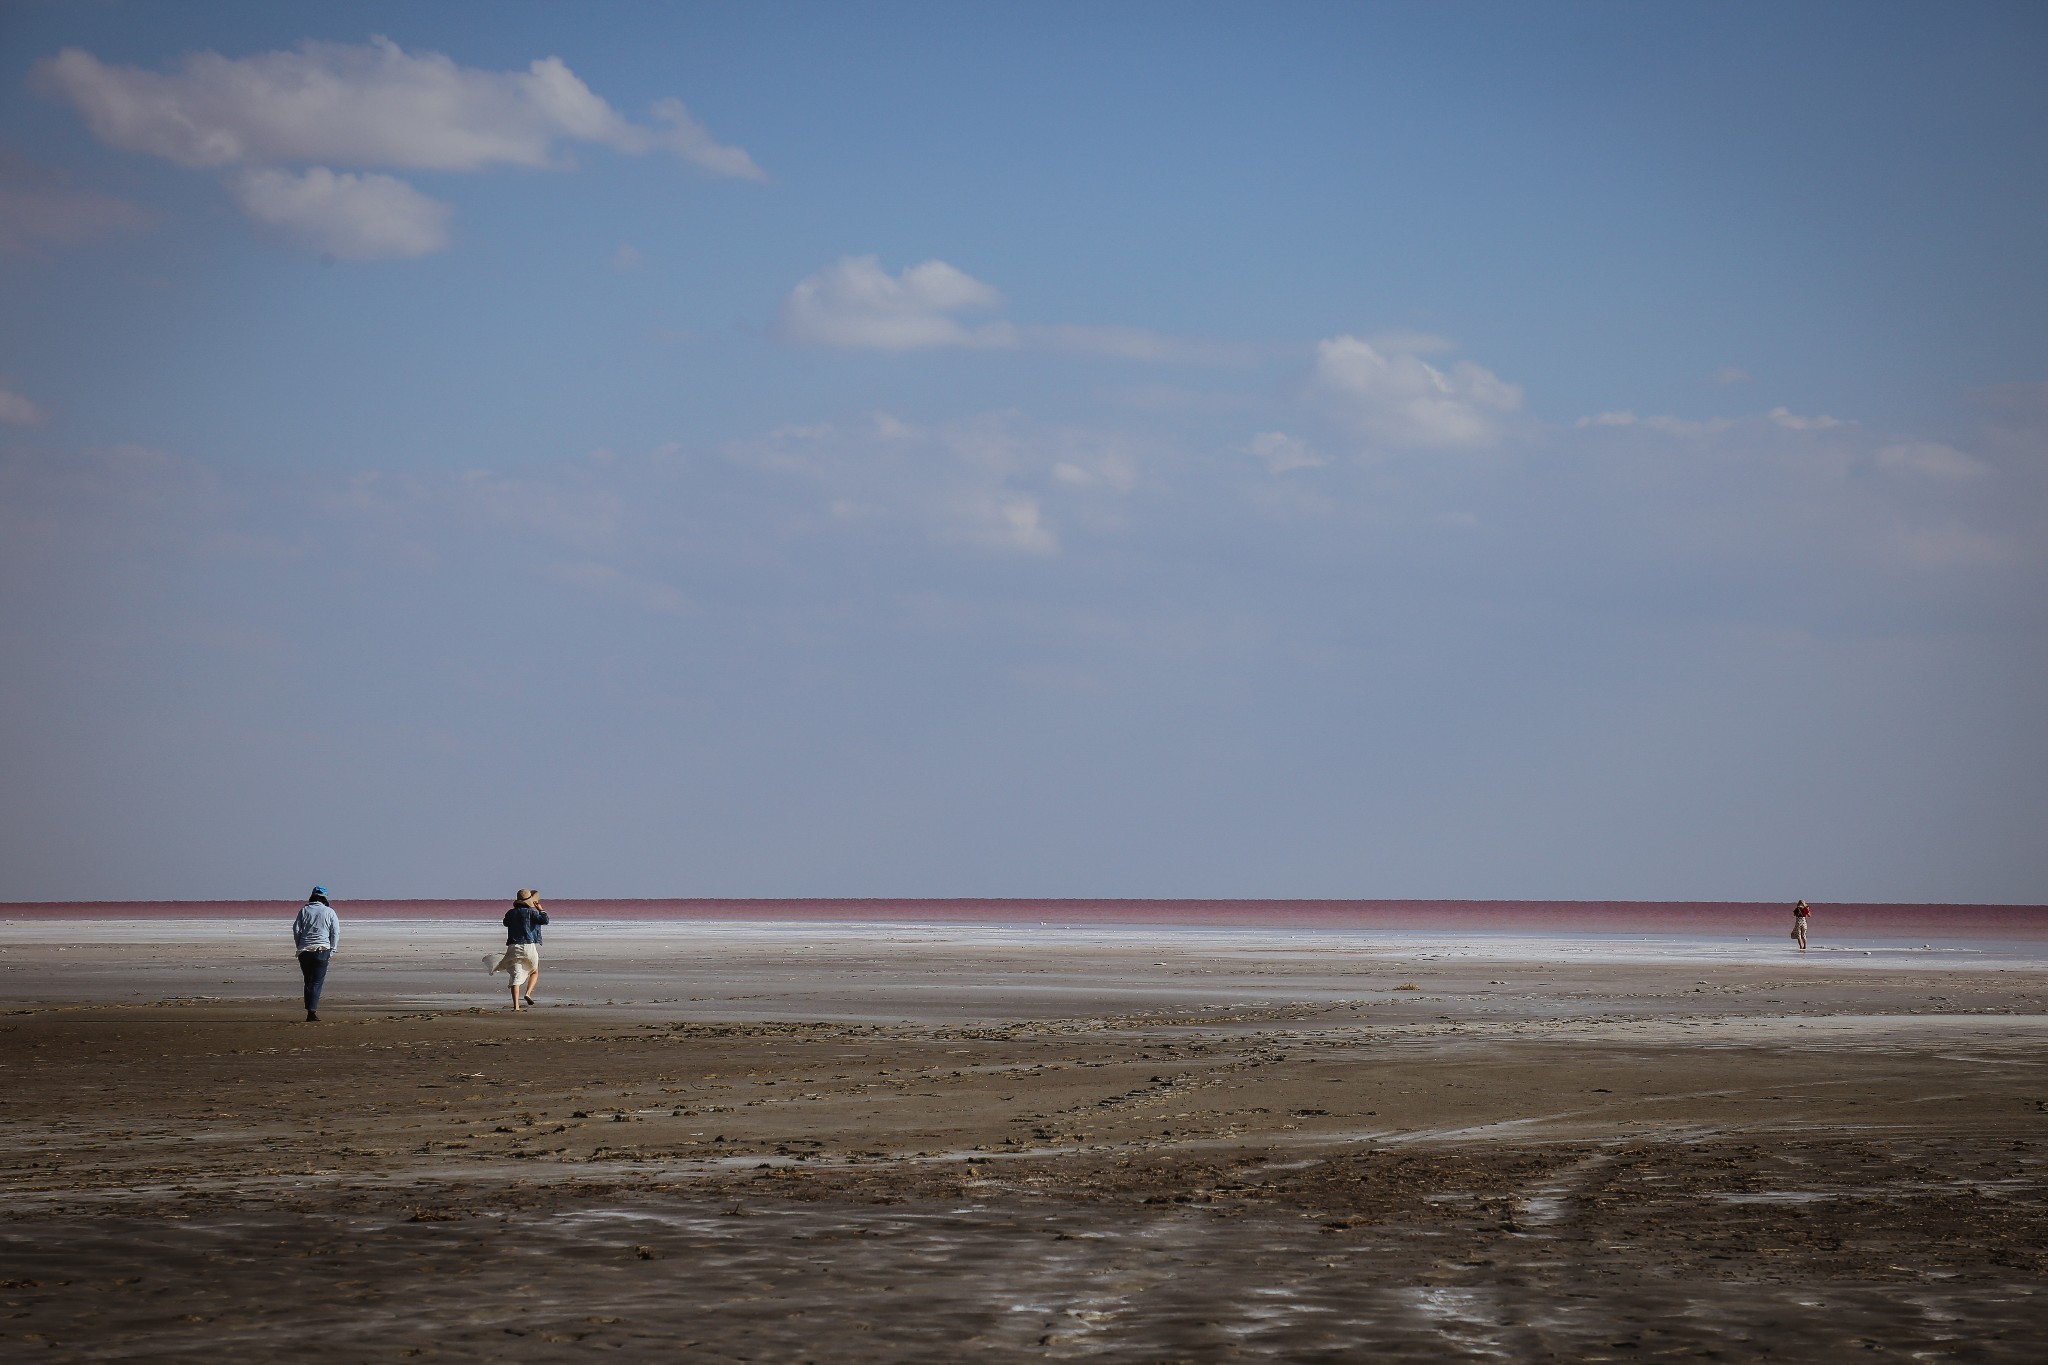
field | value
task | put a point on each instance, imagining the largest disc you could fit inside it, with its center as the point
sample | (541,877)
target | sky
(1457,450)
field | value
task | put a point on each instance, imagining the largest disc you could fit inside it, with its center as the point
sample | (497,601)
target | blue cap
(319,890)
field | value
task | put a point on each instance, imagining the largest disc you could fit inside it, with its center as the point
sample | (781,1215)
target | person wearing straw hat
(316,933)
(521,961)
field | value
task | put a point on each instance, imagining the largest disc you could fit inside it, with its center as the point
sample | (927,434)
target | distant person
(316,933)
(522,945)
(1800,915)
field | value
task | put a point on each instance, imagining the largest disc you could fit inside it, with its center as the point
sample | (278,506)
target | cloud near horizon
(1816,514)
(691,588)
(365,106)
(993,483)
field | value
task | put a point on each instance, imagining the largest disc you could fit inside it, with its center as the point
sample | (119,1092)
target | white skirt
(521,960)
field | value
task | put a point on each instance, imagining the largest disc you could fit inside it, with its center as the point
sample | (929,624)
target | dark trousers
(314,967)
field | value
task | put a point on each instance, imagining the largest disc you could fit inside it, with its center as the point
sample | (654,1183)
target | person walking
(1800,915)
(522,945)
(316,933)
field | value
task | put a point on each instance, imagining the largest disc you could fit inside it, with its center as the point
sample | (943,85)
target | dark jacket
(522,924)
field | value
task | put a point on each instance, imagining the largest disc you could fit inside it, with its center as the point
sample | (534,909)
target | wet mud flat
(953,1147)
(1889,1250)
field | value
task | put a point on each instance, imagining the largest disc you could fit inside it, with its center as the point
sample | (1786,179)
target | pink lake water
(1456,917)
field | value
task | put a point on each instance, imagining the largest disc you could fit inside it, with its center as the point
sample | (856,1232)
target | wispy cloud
(17,411)
(373,104)
(980,483)
(1671,425)
(1932,459)
(1793,421)
(38,208)
(590,575)
(1137,343)
(87,500)
(1281,452)
(1660,422)
(995,482)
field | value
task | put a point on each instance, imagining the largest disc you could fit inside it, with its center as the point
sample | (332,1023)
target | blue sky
(1278,450)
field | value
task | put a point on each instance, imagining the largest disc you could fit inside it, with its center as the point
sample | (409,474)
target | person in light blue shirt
(316,933)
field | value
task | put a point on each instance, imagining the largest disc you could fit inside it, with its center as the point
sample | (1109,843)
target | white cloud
(1393,397)
(1792,421)
(1731,374)
(17,411)
(855,303)
(354,217)
(368,105)
(373,105)
(38,209)
(1282,452)
(1930,458)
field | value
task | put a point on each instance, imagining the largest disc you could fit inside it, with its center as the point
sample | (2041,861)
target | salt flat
(913,1142)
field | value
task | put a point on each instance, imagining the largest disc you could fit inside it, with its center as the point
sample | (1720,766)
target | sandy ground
(786,1143)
